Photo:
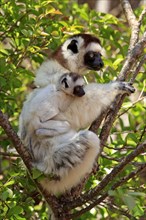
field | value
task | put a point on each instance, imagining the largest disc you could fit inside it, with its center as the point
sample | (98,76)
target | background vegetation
(29,31)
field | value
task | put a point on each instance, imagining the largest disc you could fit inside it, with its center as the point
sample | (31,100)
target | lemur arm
(52,128)
(98,97)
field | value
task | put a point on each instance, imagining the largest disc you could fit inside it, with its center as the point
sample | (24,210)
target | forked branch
(96,195)
(23,152)
(136,50)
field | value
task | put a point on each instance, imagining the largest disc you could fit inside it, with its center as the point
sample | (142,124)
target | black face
(79,91)
(93,60)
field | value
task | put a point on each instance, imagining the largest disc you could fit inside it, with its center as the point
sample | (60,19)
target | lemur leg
(72,154)
(52,128)
(71,162)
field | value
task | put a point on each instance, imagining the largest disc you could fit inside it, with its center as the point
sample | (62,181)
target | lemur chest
(64,102)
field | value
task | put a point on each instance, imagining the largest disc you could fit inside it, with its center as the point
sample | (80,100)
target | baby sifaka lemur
(57,149)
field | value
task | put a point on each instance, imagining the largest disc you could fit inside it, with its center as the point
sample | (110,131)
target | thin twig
(141,17)
(132,56)
(137,68)
(103,196)
(133,104)
(142,134)
(120,148)
(116,209)
(111,158)
(9,154)
(109,177)
(134,53)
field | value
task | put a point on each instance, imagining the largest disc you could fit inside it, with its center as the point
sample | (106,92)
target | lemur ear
(73,46)
(64,81)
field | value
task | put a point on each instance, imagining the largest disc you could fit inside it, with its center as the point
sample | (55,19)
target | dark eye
(73,46)
(64,81)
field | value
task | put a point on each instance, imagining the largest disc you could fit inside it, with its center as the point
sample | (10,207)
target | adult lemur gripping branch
(64,149)
(56,147)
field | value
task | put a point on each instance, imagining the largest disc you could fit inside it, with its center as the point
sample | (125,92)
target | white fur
(50,121)
(49,73)
(75,61)
(94,47)
(68,54)
(74,176)
(53,141)
(80,114)
(51,70)
(66,144)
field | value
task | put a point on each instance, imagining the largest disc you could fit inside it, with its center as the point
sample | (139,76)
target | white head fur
(70,57)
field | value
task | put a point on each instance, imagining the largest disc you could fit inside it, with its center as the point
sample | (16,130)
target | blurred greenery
(28,29)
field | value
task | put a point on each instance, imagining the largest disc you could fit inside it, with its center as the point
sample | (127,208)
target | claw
(127,87)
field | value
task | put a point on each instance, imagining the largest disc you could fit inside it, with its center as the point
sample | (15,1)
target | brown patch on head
(74,76)
(59,57)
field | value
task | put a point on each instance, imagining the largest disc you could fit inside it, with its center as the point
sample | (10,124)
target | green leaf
(129,201)
(137,194)
(18,217)
(15,210)
(131,121)
(132,137)
(117,61)
(112,193)
(138,210)
(11,182)
(36,173)
(8,193)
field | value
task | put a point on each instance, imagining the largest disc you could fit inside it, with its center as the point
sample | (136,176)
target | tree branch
(135,52)
(132,56)
(97,190)
(26,157)
(137,68)
(4,123)
(118,168)
(141,17)
(9,154)
(116,209)
(133,23)
(95,125)
(136,49)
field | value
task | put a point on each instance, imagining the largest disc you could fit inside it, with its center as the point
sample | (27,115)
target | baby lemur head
(72,84)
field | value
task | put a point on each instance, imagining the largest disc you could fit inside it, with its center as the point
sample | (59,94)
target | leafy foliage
(28,29)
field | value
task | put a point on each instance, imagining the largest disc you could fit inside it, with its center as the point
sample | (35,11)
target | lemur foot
(126,87)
